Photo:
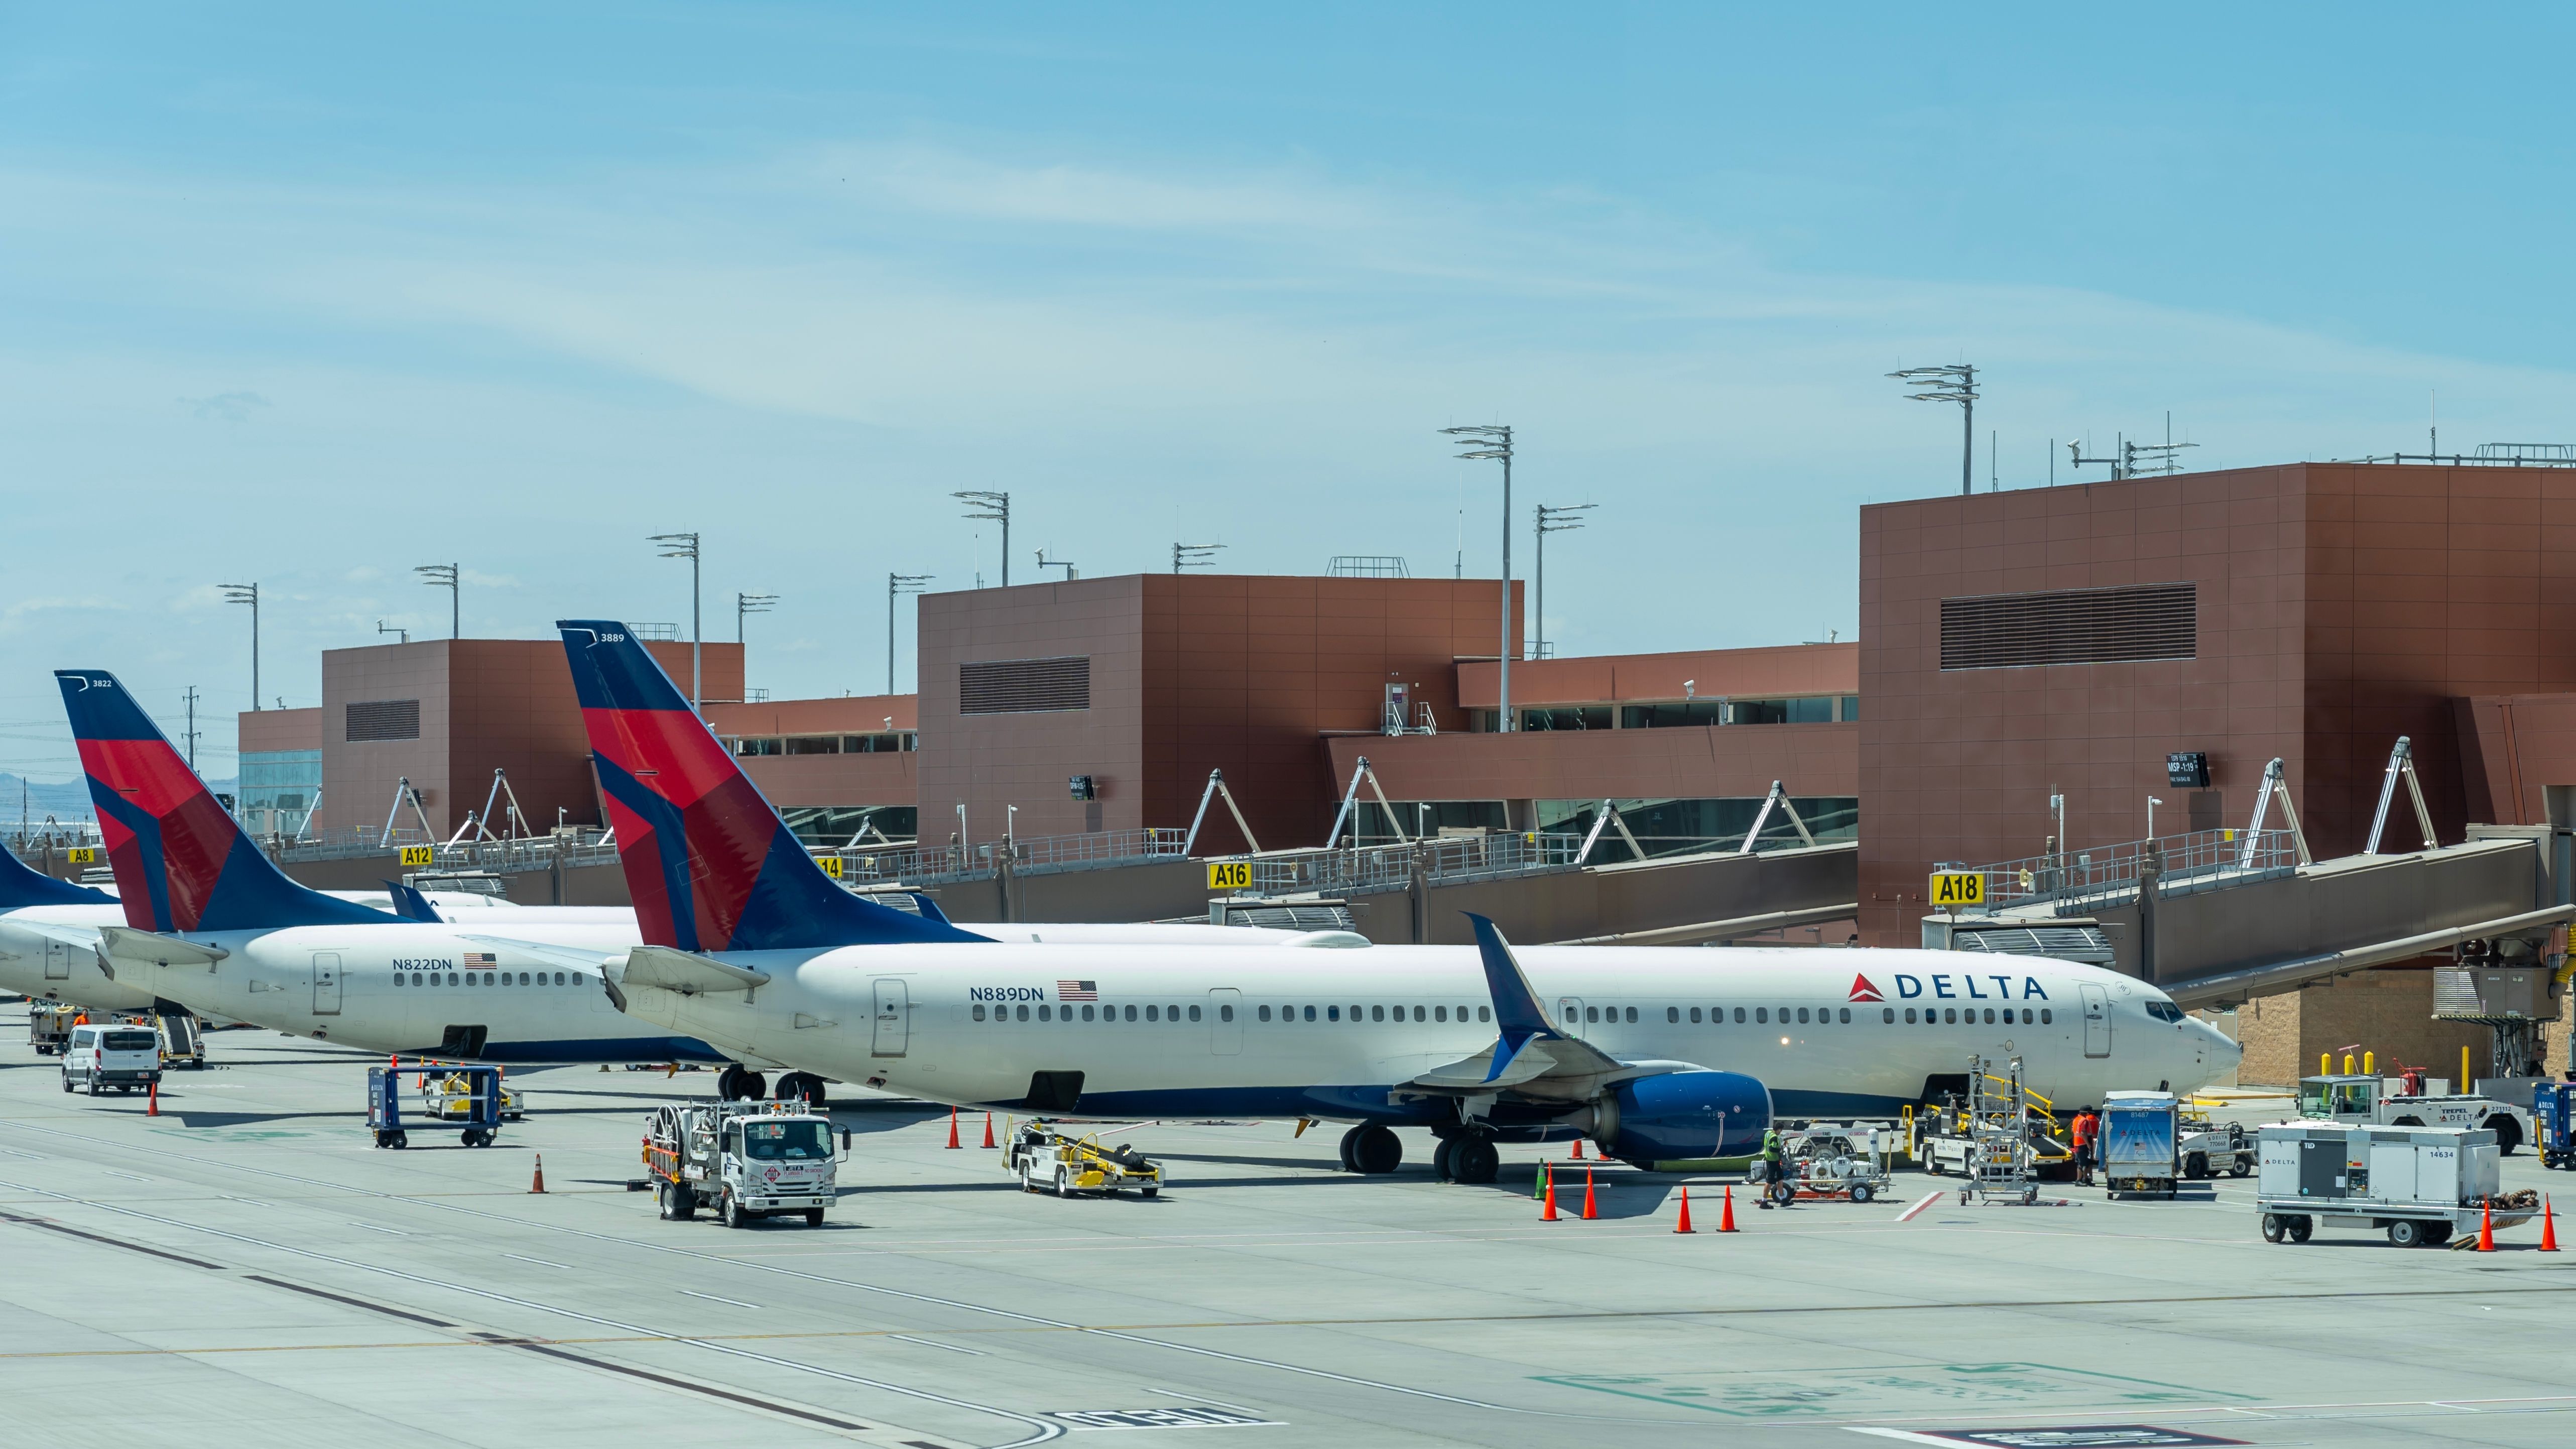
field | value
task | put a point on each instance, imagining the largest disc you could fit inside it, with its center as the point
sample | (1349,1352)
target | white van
(123,1057)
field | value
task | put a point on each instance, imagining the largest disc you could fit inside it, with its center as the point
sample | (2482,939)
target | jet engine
(1682,1115)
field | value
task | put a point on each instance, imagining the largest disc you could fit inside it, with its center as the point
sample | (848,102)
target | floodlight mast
(749,604)
(685,545)
(443,576)
(1194,556)
(898,584)
(1550,520)
(992,507)
(1954,382)
(1494,441)
(248,594)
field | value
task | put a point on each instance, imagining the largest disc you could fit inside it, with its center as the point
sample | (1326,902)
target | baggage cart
(2140,1143)
(2553,1116)
(475,1114)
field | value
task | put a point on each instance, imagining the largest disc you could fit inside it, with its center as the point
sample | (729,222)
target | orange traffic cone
(1589,1211)
(988,1130)
(538,1184)
(2486,1228)
(953,1144)
(152,1099)
(1578,1147)
(2548,1228)
(1684,1225)
(1726,1214)
(1548,1180)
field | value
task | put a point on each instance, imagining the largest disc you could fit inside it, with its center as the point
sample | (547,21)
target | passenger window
(1173,1013)
(1990,1016)
(1377,1013)
(559,978)
(1131,1013)
(397,979)
(1632,1016)
(1024,1013)
(1086,1013)
(1223,1013)
(1194,1013)
(1739,1016)
(1484,1013)
(1462,1013)
(2045,1016)
(1802,1016)
(1846,1021)
(1310,1013)
(1332,1013)
(1887,1014)
(1909,1015)
(1068,1013)
(1674,1013)
(1265,1013)
(1149,1014)
(1694,1016)
(1760,1014)
(1420,1015)
(1950,1014)
(1439,1013)
(979,1013)
(1592,1014)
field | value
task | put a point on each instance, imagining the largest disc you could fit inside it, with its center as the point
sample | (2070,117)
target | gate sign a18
(1958,888)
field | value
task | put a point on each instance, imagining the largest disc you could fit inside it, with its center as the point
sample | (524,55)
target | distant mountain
(62,799)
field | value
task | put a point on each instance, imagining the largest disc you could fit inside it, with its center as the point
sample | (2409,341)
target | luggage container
(2419,1185)
(2553,1116)
(2140,1135)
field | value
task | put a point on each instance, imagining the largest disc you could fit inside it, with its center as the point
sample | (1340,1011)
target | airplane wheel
(1475,1161)
(754,1086)
(729,1083)
(1442,1157)
(1377,1151)
(1350,1164)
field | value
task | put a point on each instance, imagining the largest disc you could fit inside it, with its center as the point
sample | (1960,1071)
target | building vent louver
(1024,686)
(384,719)
(2071,626)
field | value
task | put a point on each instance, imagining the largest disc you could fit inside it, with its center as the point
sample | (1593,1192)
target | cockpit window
(2164,1011)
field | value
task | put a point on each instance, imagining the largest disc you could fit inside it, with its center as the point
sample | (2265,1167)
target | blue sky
(311,294)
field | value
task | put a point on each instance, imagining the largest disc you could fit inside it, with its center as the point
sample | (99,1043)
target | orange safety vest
(2084,1127)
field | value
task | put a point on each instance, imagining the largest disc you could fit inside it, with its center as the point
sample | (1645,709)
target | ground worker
(1771,1160)
(2082,1130)
(80,1019)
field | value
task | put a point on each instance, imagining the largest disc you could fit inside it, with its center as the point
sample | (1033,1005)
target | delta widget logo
(1863,991)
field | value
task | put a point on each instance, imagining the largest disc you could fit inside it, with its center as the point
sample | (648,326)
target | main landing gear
(736,1085)
(1470,1159)
(1374,1151)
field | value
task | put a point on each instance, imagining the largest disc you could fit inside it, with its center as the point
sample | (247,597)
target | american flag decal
(477,960)
(1077,991)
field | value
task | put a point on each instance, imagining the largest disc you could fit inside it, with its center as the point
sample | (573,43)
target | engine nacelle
(1682,1115)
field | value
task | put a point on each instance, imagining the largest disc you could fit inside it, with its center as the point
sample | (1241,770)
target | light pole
(1954,382)
(443,576)
(992,507)
(898,584)
(1550,520)
(1194,556)
(685,545)
(749,604)
(1495,441)
(248,594)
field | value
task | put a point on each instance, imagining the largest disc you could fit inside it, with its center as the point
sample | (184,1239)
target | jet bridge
(2218,917)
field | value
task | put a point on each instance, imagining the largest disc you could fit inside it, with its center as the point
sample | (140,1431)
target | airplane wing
(686,972)
(1529,1058)
(571,958)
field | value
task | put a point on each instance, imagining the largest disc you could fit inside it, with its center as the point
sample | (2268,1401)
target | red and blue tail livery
(708,861)
(23,885)
(181,863)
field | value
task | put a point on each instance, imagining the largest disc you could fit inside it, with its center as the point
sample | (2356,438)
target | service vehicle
(1829,1161)
(2553,1116)
(2209,1148)
(117,1055)
(2419,1185)
(743,1161)
(2366,1099)
(2140,1145)
(445,1094)
(1046,1157)
(49,1025)
(472,1111)
(183,1042)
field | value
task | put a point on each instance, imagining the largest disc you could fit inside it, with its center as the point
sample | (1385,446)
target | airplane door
(1569,1014)
(326,983)
(2097,1022)
(1225,1022)
(58,961)
(894,1018)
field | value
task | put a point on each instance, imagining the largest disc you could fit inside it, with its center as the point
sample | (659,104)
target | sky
(308,295)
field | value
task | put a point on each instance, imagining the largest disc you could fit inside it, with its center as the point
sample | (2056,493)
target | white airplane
(1657,1053)
(206,920)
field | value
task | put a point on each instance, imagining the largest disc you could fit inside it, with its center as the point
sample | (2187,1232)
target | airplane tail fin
(181,863)
(410,904)
(23,885)
(708,861)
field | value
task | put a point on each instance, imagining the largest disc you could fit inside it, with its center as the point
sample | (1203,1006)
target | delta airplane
(204,919)
(1658,1054)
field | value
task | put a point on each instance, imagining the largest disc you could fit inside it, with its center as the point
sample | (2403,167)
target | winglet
(23,885)
(410,904)
(1516,1008)
(929,908)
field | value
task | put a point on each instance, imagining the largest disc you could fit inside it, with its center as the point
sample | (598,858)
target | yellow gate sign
(831,865)
(81,855)
(1229,875)
(419,855)
(1958,888)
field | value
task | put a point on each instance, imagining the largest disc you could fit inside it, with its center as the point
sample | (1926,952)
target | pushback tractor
(743,1161)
